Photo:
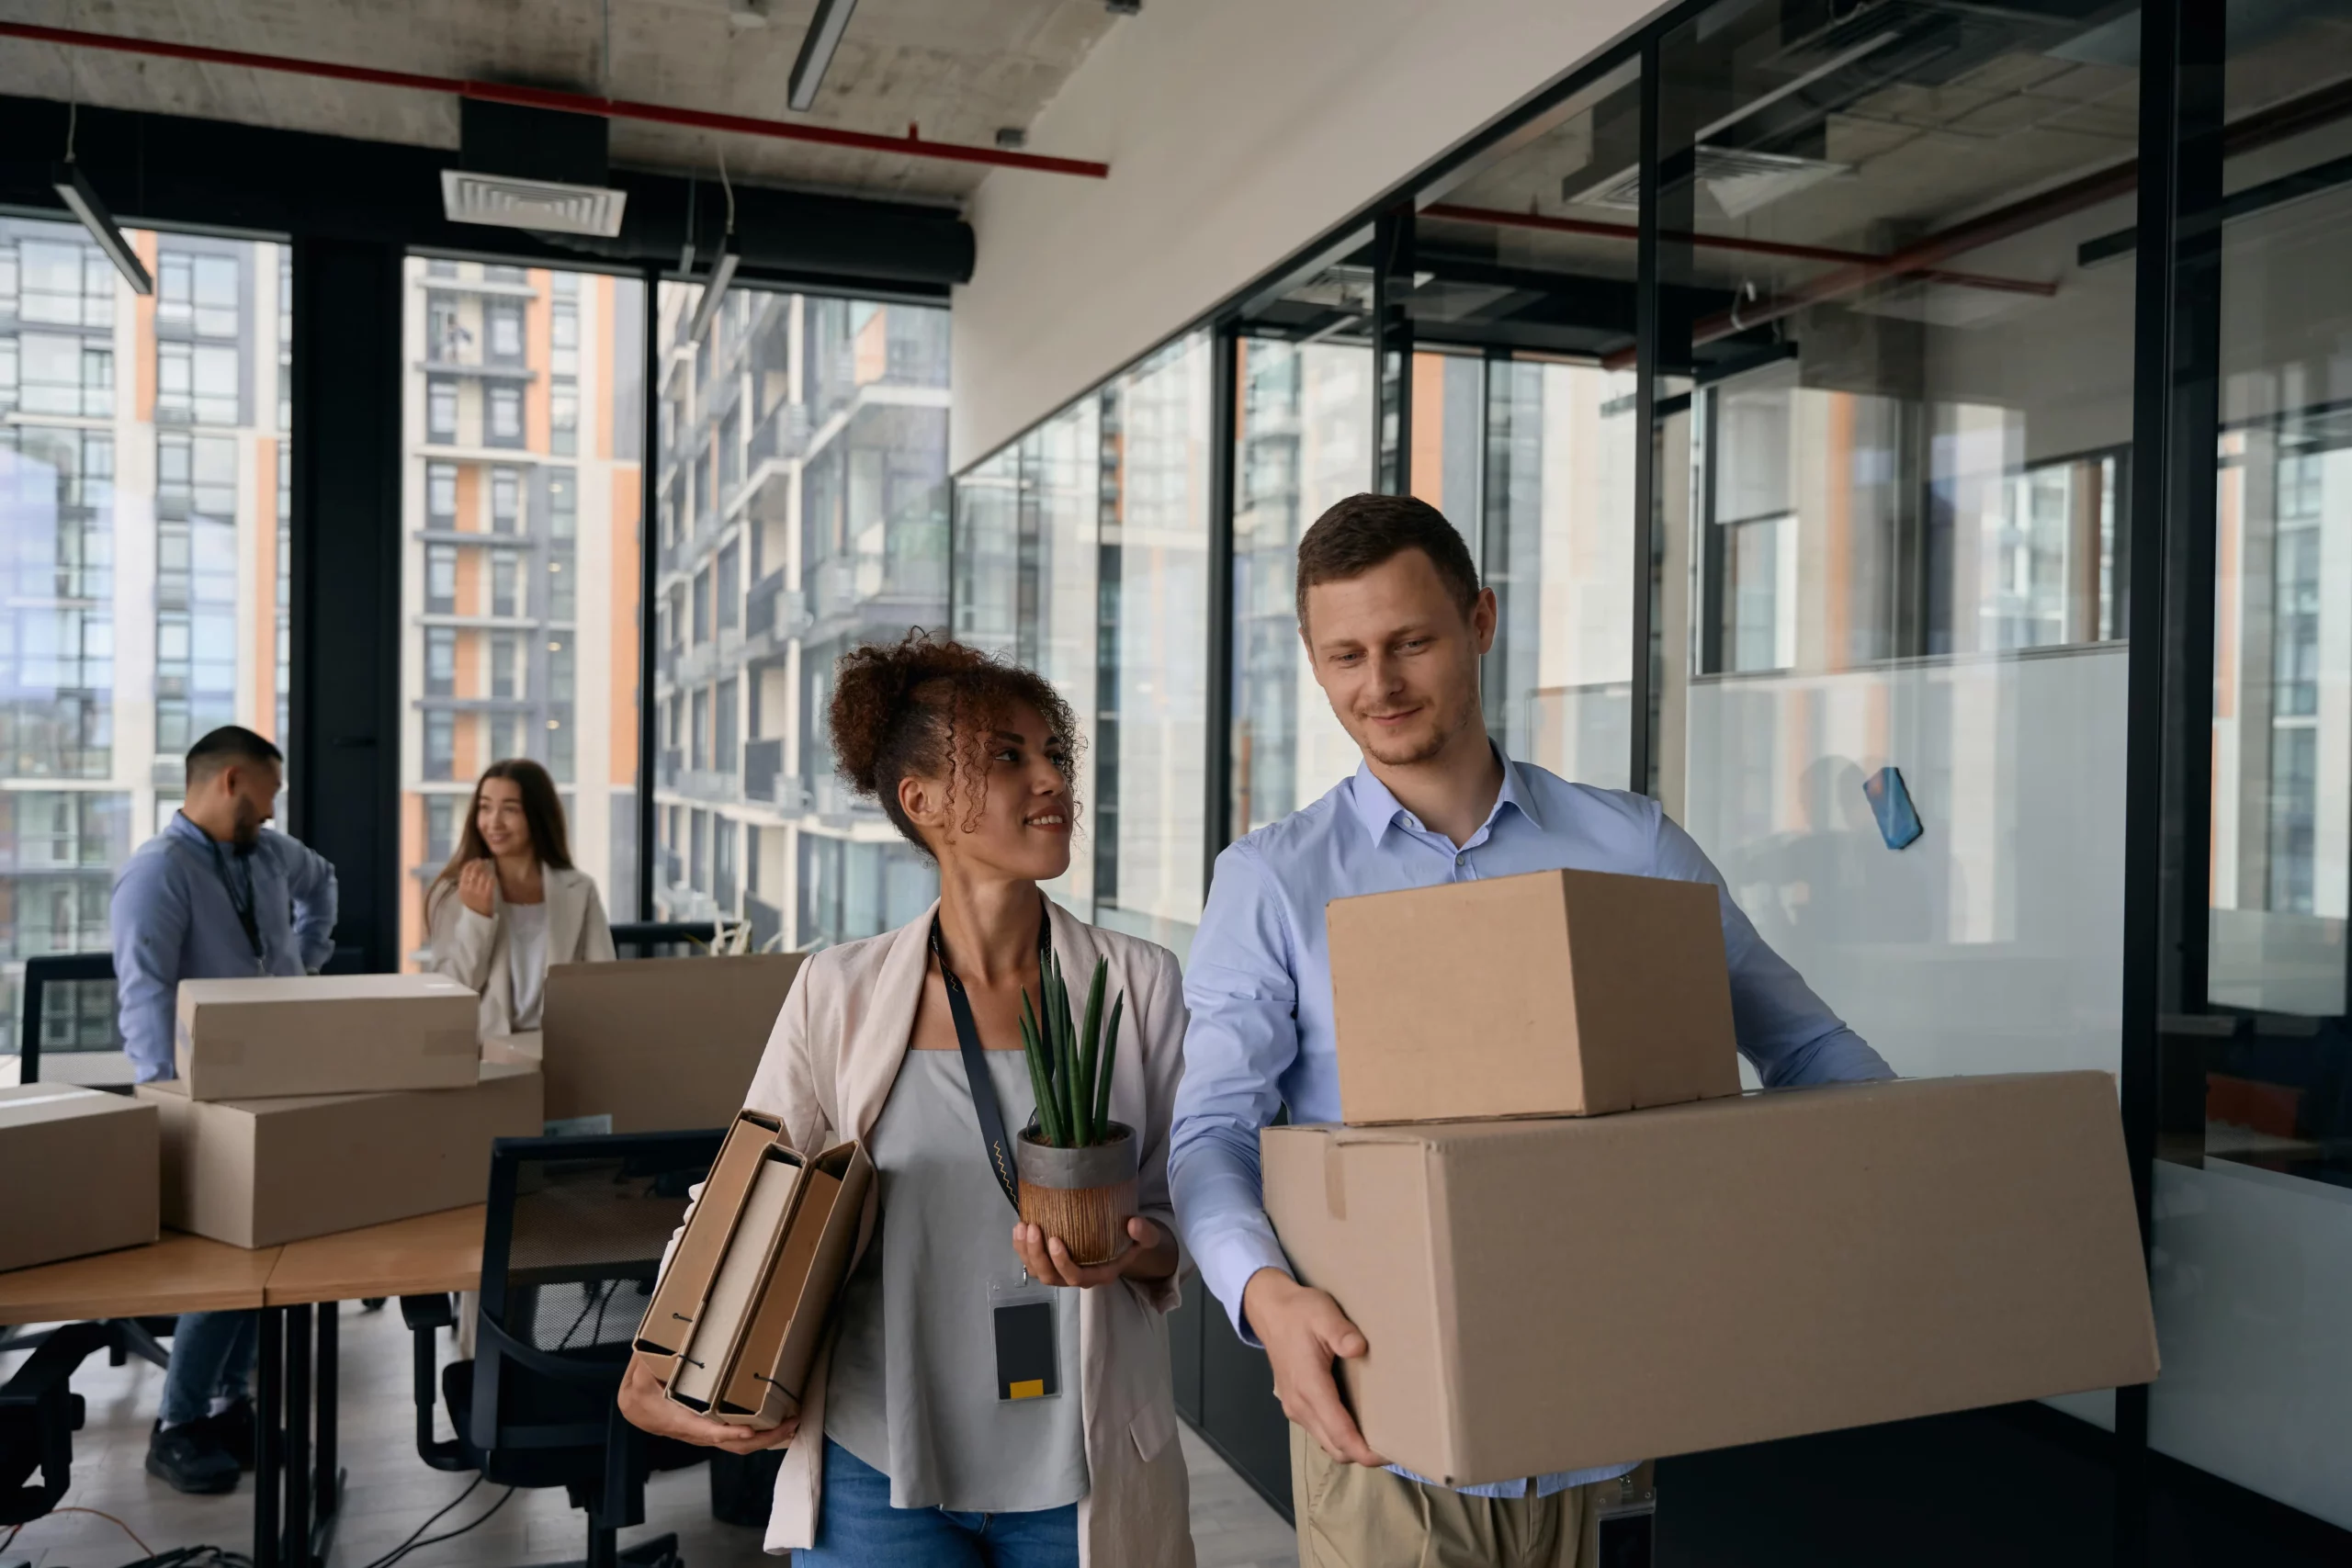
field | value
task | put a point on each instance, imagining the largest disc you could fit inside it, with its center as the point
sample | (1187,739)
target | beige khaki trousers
(1350,1516)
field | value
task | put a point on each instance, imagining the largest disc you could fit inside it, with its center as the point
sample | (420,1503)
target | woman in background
(509,903)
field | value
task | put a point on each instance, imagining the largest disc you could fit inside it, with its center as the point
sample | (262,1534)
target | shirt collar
(1379,809)
(185,828)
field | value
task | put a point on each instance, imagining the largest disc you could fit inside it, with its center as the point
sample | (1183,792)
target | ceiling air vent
(504,201)
(1734,180)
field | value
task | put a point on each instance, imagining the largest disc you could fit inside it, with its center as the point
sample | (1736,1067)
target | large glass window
(521,599)
(141,516)
(802,471)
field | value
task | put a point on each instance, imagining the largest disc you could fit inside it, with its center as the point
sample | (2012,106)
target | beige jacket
(471,949)
(828,1068)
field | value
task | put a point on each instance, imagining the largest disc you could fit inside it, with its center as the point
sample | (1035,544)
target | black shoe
(233,1430)
(189,1458)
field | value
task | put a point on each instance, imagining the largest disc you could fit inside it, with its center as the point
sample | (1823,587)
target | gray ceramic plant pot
(1084,1196)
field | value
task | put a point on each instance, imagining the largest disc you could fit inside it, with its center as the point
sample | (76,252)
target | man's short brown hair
(1364,531)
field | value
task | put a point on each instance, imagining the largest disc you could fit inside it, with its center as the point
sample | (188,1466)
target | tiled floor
(391,1492)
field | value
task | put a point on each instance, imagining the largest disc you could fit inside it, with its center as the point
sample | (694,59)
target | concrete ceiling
(959,70)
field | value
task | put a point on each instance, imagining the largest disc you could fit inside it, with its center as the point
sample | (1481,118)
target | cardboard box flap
(485,1073)
(771,1368)
(757,1235)
(30,1105)
(684,1286)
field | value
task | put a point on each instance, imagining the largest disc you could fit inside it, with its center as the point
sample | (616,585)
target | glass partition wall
(1796,378)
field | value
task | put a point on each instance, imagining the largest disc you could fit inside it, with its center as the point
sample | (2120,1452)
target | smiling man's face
(1398,655)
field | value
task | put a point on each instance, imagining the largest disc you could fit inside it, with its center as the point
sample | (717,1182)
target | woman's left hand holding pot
(1153,1256)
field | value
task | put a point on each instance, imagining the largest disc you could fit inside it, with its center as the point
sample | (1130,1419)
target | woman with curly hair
(905,1450)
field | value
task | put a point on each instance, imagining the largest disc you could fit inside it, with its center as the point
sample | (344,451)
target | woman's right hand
(477,886)
(647,1408)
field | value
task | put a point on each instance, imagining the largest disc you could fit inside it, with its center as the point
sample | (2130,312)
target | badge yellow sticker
(1032,1388)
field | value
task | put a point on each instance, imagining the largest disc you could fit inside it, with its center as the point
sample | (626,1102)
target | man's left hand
(1151,1256)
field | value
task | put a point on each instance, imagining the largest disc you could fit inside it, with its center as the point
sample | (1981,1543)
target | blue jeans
(213,1356)
(856,1528)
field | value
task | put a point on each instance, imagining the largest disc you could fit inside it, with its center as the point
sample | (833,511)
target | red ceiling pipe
(1723,243)
(571,103)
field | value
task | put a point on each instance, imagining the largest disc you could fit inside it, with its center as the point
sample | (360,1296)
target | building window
(726,756)
(562,585)
(441,580)
(506,416)
(440,746)
(54,373)
(563,504)
(441,827)
(504,318)
(196,382)
(563,418)
(702,605)
(65,282)
(441,411)
(505,585)
(564,327)
(505,500)
(729,588)
(441,495)
(700,702)
(440,662)
(505,665)
(200,291)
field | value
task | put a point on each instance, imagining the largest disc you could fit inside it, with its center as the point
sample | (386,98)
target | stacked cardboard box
(79,1168)
(1570,1242)
(320,1103)
(735,1324)
(656,1044)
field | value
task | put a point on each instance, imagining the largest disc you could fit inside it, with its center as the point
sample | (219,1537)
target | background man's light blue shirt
(173,919)
(1259,984)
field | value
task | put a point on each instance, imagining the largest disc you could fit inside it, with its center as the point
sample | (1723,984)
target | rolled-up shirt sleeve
(1787,1031)
(1243,1035)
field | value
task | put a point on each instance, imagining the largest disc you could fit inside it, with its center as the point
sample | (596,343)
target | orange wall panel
(142,307)
(470,498)
(473,583)
(469,679)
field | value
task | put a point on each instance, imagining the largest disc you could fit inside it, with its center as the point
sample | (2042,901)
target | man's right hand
(1302,1329)
(478,886)
(647,1408)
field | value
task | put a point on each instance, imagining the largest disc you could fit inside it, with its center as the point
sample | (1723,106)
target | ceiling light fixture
(722,266)
(824,36)
(86,205)
(545,207)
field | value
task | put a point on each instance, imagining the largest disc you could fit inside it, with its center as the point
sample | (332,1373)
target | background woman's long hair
(542,811)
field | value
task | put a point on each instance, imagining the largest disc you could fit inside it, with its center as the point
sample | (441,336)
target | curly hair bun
(919,707)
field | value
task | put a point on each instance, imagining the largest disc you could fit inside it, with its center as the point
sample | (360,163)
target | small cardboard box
(259,1172)
(1557,993)
(658,1044)
(738,1317)
(325,1034)
(80,1166)
(1551,1295)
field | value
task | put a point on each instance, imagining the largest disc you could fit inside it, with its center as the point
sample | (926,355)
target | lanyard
(975,1067)
(240,899)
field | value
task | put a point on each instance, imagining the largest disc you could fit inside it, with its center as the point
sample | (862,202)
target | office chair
(572,1242)
(40,1413)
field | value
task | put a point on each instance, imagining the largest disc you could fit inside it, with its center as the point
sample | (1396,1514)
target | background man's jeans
(212,1357)
(856,1528)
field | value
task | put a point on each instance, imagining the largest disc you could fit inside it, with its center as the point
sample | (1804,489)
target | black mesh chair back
(571,1245)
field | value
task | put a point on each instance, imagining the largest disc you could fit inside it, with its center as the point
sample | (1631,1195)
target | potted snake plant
(1077,1165)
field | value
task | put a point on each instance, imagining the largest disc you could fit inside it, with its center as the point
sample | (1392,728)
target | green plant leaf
(1089,1053)
(1110,1057)
(1041,1074)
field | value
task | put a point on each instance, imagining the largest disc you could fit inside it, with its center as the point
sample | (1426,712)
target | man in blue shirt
(1395,623)
(212,896)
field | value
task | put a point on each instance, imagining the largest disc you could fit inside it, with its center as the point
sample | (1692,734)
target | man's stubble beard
(1415,752)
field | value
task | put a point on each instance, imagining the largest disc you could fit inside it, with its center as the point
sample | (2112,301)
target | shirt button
(1461,860)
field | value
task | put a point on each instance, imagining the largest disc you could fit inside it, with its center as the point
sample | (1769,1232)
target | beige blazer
(828,1068)
(471,949)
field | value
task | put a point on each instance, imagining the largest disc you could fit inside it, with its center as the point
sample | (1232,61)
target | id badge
(1028,1351)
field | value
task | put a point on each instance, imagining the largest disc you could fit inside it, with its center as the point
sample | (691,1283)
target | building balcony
(666,768)
(709,786)
(764,775)
(463,364)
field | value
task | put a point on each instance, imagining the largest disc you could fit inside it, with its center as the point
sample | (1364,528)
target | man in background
(212,896)
(1395,623)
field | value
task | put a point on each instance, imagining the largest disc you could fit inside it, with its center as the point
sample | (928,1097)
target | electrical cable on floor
(118,1524)
(394,1555)
(194,1557)
(415,1545)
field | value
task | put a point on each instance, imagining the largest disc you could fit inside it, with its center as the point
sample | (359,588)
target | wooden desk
(405,1257)
(179,1273)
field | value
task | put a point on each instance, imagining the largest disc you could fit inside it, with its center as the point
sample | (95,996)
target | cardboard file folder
(738,1315)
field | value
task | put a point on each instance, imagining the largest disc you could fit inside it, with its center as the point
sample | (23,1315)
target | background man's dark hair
(229,743)
(1364,531)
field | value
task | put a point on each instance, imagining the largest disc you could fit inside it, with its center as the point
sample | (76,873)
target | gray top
(913,1390)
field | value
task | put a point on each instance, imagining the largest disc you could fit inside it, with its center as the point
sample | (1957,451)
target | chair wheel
(371,1303)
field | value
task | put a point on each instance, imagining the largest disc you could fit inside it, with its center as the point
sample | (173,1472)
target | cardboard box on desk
(79,1166)
(658,1044)
(259,1172)
(324,1034)
(1557,993)
(739,1315)
(1550,1295)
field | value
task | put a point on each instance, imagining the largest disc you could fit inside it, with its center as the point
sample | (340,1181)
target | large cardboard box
(1557,993)
(325,1034)
(739,1315)
(258,1172)
(1549,1295)
(658,1044)
(79,1169)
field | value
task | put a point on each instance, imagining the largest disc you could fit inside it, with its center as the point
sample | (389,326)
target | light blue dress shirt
(1259,985)
(174,919)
